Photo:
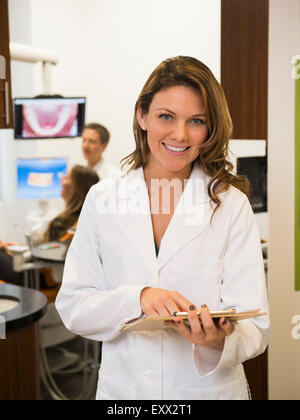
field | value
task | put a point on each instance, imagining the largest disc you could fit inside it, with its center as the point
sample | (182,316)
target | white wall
(284,352)
(107,49)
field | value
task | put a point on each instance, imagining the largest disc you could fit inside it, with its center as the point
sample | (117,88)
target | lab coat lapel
(191,217)
(133,215)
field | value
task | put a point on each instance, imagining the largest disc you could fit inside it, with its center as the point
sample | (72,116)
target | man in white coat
(95,138)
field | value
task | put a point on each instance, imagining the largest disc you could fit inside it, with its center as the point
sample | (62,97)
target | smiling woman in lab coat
(176,233)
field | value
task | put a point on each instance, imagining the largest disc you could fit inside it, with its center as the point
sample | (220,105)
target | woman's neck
(165,187)
(156,171)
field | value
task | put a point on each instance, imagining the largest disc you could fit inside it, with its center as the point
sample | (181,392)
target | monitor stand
(43,206)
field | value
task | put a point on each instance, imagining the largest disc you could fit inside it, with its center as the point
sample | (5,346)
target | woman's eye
(165,117)
(197,121)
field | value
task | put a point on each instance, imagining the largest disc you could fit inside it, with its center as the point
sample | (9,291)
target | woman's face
(176,126)
(66,187)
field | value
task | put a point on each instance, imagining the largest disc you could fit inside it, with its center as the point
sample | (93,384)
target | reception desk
(20,310)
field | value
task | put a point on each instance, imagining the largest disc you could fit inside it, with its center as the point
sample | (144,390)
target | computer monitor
(49,118)
(39,178)
(255,168)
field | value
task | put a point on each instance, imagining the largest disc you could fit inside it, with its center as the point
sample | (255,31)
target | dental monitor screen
(48,118)
(40,178)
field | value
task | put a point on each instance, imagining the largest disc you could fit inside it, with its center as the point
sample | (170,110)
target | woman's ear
(142,120)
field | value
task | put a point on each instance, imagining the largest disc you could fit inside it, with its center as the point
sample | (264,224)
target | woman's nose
(179,133)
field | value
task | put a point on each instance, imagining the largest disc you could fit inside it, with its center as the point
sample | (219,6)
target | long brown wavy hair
(190,72)
(82,179)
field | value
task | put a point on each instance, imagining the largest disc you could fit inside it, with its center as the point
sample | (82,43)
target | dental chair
(48,260)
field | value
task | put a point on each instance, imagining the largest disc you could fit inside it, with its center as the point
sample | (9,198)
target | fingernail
(203,306)
(192,308)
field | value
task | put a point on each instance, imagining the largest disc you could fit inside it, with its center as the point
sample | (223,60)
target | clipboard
(145,323)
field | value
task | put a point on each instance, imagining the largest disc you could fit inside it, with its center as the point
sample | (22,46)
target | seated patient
(75,186)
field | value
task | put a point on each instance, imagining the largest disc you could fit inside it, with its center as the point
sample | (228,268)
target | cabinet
(244,76)
(19,351)
(6,112)
(244,65)
(256,371)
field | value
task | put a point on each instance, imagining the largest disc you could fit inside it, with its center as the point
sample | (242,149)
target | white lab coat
(112,258)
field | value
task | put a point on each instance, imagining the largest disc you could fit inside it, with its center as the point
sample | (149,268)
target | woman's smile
(175,150)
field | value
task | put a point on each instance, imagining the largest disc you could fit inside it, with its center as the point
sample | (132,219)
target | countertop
(33,305)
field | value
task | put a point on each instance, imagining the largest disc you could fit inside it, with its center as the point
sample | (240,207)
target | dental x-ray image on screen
(39,178)
(48,118)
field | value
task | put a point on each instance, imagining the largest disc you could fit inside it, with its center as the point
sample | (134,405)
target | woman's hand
(155,302)
(205,333)
(4,247)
